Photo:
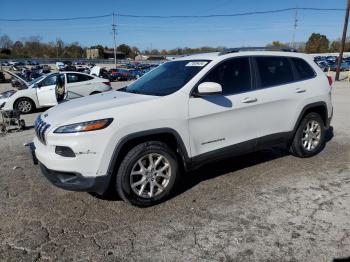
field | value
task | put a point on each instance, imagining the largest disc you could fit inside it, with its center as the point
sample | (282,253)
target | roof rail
(240,49)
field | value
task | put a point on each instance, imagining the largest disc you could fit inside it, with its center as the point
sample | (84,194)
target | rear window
(303,69)
(274,71)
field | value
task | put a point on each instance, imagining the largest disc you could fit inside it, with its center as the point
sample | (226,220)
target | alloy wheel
(311,135)
(24,106)
(150,175)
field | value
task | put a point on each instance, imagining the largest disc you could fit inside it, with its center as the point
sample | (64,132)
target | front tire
(309,138)
(147,175)
(24,105)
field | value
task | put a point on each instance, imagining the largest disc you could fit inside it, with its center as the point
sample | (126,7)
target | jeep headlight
(85,126)
(2,105)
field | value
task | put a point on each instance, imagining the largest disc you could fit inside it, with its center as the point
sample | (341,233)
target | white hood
(91,105)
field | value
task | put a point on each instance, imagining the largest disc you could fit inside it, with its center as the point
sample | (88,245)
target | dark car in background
(116,74)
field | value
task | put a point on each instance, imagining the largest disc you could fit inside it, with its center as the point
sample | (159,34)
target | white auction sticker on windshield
(197,63)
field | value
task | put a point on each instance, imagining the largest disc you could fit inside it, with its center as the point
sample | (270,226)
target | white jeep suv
(182,114)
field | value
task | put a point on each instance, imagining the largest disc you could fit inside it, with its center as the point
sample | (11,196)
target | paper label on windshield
(198,63)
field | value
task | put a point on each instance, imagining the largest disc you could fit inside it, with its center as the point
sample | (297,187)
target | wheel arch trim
(308,107)
(24,97)
(179,142)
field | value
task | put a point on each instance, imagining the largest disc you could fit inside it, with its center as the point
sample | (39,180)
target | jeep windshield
(167,78)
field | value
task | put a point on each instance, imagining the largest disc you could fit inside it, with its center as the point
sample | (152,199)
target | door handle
(248,100)
(300,90)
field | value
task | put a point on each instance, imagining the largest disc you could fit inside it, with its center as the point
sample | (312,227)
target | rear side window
(233,75)
(73,78)
(274,71)
(303,69)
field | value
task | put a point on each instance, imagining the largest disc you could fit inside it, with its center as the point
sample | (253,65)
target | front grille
(40,128)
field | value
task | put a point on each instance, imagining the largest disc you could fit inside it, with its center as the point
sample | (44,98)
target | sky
(146,33)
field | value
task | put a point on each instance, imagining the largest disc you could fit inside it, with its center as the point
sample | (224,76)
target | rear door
(216,122)
(79,85)
(279,94)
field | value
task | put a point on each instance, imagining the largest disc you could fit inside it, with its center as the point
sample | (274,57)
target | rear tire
(309,139)
(147,175)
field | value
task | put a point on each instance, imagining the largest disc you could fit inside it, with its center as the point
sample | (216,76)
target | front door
(46,91)
(216,122)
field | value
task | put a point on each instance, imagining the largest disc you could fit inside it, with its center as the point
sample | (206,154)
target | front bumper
(72,181)
(75,181)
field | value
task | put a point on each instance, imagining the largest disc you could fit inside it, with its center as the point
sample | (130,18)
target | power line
(55,19)
(172,16)
(232,15)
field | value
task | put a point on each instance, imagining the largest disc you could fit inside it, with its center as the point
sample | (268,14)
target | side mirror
(209,89)
(39,85)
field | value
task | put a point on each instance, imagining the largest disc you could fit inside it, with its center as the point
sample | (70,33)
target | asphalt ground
(265,206)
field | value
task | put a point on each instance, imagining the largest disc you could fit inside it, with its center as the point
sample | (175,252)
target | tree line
(34,47)
(317,43)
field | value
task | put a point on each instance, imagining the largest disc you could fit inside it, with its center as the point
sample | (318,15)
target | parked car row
(330,63)
(20,63)
(76,66)
(125,72)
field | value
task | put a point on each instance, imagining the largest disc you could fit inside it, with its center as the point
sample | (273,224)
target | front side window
(49,81)
(274,70)
(233,76)
(167,78)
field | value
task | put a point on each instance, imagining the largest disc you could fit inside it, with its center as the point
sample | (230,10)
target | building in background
(92,53)
(107,54)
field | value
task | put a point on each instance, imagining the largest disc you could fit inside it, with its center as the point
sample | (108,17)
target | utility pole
(114,29)
(342,45)
(295,28)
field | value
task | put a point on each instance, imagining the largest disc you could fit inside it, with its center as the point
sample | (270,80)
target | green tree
(125,49)
(134,52)
(5,42)
(277,44)
(317,43)
(334,46)
(73,50)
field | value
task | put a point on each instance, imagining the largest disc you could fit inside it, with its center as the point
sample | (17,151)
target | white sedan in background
(41,91)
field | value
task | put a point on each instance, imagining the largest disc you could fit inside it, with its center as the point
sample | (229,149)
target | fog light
(64,151)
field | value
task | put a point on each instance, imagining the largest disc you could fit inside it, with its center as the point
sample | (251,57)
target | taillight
(330,80)
(107,83)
